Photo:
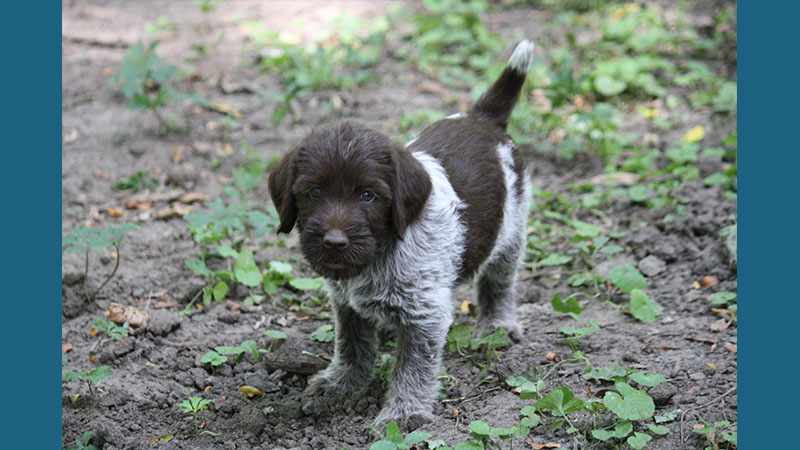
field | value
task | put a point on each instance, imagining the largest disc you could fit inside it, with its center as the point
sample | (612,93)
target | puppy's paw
(323,397)
(406,422)
(319,385)
(337,378)
(513,329)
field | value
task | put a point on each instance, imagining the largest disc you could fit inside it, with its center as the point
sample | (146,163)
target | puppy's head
(351,191)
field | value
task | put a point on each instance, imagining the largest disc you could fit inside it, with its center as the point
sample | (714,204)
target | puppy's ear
(281,179)
(411,187)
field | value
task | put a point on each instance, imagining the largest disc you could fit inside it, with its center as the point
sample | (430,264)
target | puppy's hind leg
(497,281)
(354,354)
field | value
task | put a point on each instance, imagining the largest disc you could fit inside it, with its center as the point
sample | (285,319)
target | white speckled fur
(408,288)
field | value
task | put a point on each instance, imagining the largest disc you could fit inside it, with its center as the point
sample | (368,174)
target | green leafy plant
(560,402)
(460,340)
(83,442)
(634,74)
(277,338)
(450,42)
(219,355)
(411,123)
(194,405)
(92,377)
(248,175)
(207,6)
(725,301)
(628,280)
(394,440)
(323,333)
(721,435)
(214,359)
(137,182)
(486,436)
(110,329)
(323,64)
(220,231)
(144,79)
(83,239)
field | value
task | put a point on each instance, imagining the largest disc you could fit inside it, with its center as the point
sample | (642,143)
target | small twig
(196,296)
(260,322)
(701,407)
(113,272)
(86,271)
(162,124)
(96,344)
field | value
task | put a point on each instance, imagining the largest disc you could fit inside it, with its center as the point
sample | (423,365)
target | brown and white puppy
(394,229)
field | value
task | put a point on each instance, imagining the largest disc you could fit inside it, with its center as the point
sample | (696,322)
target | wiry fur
(394,230)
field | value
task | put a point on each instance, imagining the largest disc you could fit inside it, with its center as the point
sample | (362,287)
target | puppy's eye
(314,192)
(367,196)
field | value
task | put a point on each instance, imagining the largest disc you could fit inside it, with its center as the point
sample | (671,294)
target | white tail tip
(521,58)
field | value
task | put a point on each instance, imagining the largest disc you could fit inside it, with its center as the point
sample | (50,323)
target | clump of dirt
(157,367)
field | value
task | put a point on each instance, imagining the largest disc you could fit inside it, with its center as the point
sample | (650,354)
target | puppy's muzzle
(335,240)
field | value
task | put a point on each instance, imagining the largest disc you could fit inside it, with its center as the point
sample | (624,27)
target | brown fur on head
(351,191)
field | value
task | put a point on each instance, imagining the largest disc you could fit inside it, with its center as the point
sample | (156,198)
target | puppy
(394,229)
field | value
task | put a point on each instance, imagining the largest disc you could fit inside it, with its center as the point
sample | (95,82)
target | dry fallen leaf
(168,303)
(694,389)
(536,446)
(551,356)
(227,149)
(225,108)
(709,280)
(100,174)
(618,178)
(93,331)
(650,112)
(173,210)
(74,398)
(290,37)
(730,347)
(712,365)
(114,212)
(720,325)
(162,437)
(432,87)
(207,388)
(191,197)
(66,347)
(465,306)
(140,205)
(695,134)
(250,391)
(178,152)
(120,314)
(695,285)
(454,412)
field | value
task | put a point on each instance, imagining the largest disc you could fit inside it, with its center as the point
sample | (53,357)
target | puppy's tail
(496,104)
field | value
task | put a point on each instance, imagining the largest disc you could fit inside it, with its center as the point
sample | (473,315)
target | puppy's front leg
(413,387)
(354,354)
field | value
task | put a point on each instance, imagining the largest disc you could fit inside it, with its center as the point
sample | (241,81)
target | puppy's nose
(335,239)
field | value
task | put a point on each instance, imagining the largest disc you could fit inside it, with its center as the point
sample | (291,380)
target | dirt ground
(159,366)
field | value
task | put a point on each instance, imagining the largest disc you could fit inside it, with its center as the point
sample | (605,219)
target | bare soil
(157,367)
